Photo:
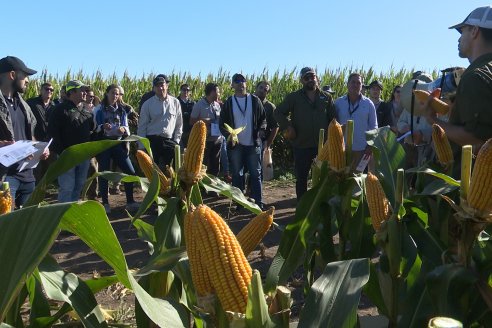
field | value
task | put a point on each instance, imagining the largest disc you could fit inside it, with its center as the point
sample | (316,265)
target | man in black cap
(301,115)
(244,110)
(71,124)
(383,110)
(470,122)
(17,122)
(161,121)
(146,96)
(186,108)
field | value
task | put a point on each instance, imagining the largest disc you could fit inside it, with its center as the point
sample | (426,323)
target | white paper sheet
(36,157)
(17,151)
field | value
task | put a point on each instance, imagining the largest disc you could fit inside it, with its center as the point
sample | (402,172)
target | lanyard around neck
(354,108)
(245,105)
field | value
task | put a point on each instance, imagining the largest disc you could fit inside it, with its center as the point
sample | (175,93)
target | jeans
(211,156)
(19,190)
(162,150)
(224,158)
(71,182)
(246,156)
(120,156)
(303,158)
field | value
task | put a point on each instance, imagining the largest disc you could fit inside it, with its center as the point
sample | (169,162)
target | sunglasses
(397,91)
(49,89)
(309,77)
(240,81)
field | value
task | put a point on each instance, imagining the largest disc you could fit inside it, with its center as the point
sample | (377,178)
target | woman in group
(112,123)
(395,106)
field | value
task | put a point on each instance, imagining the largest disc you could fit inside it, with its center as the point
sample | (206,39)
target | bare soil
(74,256)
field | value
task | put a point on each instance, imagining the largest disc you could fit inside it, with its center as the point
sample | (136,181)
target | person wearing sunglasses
(186,108)
(42,106)
(301,115)
(244,110)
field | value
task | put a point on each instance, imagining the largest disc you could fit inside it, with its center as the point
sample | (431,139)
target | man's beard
(310,86)
(16,86)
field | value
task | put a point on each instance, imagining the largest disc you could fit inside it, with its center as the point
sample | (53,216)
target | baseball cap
(238,76)
(481,17)
(161,78)
(327,88)
(11,63)
(377,83)
(307,70)
(74,84)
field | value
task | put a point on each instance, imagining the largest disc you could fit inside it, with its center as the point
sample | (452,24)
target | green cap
(74,84)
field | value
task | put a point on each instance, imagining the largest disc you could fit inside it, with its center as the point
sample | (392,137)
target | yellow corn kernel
(441,145)
(147,166)
(251,235)
(336,147)
(5,199)
(480,193)
(227,267)
(379,206)
(437,104)
(199,274)
(191,171)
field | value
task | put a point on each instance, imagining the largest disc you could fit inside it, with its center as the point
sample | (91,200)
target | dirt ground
(74,256)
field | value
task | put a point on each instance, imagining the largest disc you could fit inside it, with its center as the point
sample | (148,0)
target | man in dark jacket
(70,124)
(383,109)
(244,110)
(41,107)
(17,122)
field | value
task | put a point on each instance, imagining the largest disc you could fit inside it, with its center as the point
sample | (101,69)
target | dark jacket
(69,125)
(259,119)
(42,116)
(383,113)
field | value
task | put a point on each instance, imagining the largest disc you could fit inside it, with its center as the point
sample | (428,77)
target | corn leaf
(257,308)
(334,297)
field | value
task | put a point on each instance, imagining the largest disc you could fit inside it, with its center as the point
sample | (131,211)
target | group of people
(167,120)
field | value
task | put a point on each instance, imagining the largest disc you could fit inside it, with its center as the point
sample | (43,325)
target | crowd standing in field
(77,117)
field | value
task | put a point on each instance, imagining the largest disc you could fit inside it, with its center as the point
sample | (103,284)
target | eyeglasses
(240,81)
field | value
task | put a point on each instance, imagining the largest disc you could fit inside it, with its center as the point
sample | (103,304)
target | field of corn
(415,253)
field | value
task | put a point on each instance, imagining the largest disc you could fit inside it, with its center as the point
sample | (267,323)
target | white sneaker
(132,206)
(107,208)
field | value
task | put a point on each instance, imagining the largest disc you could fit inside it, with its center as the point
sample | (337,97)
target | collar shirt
(242,110)
(362,113)
(204,110)
(161,117)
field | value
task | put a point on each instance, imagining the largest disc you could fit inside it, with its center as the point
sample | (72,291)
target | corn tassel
(251,235)
(379,206)
(441,145)
(334,148)
(480,193)
(199,274)
(437,104)
(147,166)
(5,199)
(228,268)
(191,171)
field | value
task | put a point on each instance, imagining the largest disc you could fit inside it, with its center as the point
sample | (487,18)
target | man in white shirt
(355,106)
(161,121)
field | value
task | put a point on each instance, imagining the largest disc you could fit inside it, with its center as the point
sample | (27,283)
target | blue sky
(200,37)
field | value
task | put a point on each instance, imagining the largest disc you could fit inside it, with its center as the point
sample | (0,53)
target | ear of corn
(437,104)
(147,166)
(5,199)
(227,267)
(191,171)
(199,274)
(334,149)
(480,193)
(251,235)
(379,206)
(441,145)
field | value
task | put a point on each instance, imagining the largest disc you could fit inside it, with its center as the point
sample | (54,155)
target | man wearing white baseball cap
(470,122)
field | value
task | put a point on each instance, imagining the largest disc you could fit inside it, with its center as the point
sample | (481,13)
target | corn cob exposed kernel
(5,199)
(191,171)
(379,206)
(251,235)
(147,166)
(480,193)
(228,268)
(437,104)
(199,274)
(336,147)
(441,145)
